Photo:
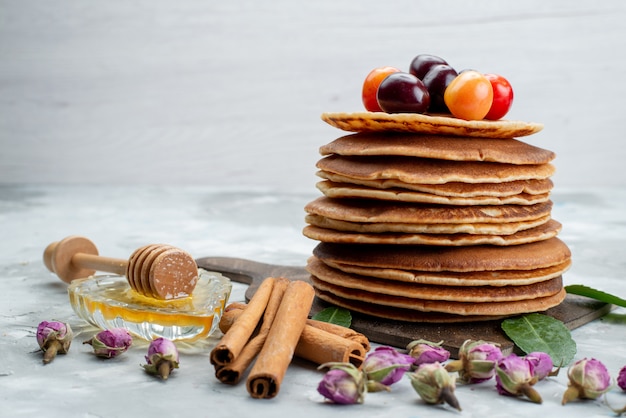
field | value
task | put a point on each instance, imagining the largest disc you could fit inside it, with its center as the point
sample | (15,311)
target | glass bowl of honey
(108,301)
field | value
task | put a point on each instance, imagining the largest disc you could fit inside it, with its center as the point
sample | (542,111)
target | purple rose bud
(111,342)
(621,378)
(477,361)
(515,377)
(542,364)
(427,352)
(342,384)
(384,366)
(53,338)
(162,358)
(588,379)
(434,384)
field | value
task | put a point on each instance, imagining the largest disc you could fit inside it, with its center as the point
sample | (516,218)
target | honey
(108,301)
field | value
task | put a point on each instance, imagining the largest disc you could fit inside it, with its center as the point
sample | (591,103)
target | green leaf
(582,290)
(538,332)
(334,315)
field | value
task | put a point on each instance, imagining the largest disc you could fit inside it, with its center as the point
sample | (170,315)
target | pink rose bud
(434,384)
(542,364)
(53,338)
(162,358)
(111,342)
(588,379)
(342,384)
(515,377)
(424,351)
(477,361)
(385,366)
(621,378)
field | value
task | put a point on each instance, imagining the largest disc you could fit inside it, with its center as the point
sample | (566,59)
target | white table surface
(260,225)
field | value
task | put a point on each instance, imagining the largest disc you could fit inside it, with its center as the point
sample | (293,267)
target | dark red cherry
(402,92)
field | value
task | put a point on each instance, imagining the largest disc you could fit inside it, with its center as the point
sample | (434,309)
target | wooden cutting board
(573,312)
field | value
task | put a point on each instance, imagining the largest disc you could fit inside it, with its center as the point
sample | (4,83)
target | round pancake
(448,278)
(429,171)
(506,308)
(453,189)
(367,210)
(539,254)
(543,232)
(346,190)
(434,228)
(439,147)
(480,294)
(410,315)
(439,125)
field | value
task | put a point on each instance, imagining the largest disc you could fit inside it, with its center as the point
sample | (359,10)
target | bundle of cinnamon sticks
(273,327)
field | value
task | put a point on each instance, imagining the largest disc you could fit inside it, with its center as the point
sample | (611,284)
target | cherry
(423,62)
(436,81)
(402,92)
(370,87)
(469,96)
(502,96)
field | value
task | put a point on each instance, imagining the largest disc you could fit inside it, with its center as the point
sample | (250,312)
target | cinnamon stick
(342,331)
(231,373)
(320,342)
(235,339)
(277,352)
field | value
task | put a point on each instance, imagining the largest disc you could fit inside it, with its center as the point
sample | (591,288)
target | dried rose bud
(542,364)
(111,342)
(424,351)
(385,366)
(477,361)
(434,384)
(515,377)
(588,379)
(621,378)
(53,338)
(162,357)
(342,384)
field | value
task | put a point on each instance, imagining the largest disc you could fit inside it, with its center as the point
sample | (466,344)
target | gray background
(229,93)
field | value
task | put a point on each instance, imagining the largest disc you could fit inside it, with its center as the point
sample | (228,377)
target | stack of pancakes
(427,227)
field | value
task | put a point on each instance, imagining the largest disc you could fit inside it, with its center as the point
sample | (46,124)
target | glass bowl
(108,301)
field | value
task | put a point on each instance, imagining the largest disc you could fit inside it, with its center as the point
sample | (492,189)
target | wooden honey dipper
(157,271)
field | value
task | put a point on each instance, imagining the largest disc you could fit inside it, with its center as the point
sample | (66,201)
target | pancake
(448,278)
(429,171)
(346,190)
(439,147)
(434,228)
(367,210)
(535,255)
(543,232)
(439,125)
(506,308)
(410,315)
(480,294)
(453,189)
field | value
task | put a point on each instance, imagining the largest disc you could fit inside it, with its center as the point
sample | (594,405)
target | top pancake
(439,147)
(439,125)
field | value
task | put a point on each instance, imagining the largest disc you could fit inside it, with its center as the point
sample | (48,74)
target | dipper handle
(76,257)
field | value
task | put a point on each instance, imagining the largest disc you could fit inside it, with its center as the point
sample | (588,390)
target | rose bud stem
(447,395)
(528,391)
(164,368)
(51,351)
